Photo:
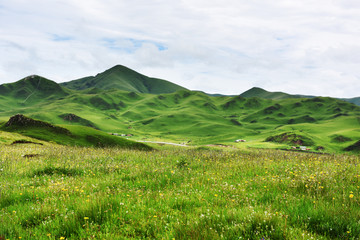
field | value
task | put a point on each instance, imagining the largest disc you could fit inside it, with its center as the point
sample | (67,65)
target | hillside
(66,135)
(262,93)
(30,90)
(355,100)
(123,78)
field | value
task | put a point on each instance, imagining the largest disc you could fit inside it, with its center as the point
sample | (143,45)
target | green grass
(176,193)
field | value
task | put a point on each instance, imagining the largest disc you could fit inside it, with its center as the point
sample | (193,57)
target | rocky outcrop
(20,120)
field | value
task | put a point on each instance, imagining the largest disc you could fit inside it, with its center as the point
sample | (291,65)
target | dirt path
(167,143)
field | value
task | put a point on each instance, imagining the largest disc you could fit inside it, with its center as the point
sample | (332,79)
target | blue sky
(217,46)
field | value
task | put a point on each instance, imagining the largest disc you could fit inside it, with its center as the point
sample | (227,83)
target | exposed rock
(24,141)
(20,120)
(291,138)
(354,147)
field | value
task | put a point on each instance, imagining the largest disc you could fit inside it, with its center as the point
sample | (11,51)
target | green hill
(66,135)
(262,93)
(353,100)
(29,91)
(123,78)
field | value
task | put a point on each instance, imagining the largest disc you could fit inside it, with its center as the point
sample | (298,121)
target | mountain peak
(123,78)
(254,92)
(33,88)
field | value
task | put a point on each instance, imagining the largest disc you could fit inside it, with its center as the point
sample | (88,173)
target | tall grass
(85,193)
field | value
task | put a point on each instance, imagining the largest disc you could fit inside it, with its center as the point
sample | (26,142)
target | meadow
(63,192)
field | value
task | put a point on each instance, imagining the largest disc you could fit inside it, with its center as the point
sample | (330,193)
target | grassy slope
(72,135)
(262,93)
(8,138)
(353,100)
(123,78)
(29,91)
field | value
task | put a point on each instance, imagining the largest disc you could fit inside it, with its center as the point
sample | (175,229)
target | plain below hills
(124,102)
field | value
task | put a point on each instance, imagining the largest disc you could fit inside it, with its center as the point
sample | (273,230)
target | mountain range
(123,101)
(261,93)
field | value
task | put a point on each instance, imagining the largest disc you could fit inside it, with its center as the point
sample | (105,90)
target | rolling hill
(182,116)
(30,90)
(66,135)
(123,78)
(262,93)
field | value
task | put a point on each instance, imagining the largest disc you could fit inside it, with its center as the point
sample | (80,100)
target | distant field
(58,192)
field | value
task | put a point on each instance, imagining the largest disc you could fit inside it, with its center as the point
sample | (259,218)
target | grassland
(59,192)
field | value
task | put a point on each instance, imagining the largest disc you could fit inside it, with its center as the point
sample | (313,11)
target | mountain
(262,93)
(30,90)
(123,78)
(355,100)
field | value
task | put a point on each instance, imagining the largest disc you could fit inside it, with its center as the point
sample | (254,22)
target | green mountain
(352,100)
(30,90)
(123,78)
(262,93)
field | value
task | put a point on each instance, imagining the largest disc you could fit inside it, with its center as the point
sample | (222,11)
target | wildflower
(86,218)
(351,195)
(62,238)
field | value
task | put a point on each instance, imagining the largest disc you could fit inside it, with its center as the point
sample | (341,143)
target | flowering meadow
(58,192)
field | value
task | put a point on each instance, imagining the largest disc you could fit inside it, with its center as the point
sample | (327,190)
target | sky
(217,46)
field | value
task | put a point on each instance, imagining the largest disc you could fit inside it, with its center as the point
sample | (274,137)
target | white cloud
(224,46)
